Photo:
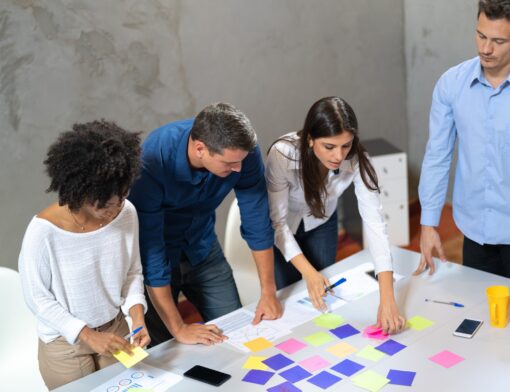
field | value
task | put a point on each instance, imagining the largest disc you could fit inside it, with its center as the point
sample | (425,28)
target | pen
(135,331)
(456,304)
(337,283)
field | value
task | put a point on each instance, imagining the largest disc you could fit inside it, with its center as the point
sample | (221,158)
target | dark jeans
(210,286)
(318,246)
(489,258)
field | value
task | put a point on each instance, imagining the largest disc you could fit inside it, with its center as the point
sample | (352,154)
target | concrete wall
(144,63)
(438,35)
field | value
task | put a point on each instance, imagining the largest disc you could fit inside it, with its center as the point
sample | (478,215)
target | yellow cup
(498,305)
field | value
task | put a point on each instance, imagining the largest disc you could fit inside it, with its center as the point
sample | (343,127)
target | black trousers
(489,258)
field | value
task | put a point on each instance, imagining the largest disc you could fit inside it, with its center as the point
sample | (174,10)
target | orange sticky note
(258,344)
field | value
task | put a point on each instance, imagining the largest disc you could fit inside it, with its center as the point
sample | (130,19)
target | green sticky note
(370,353)
(370,380)
(329,320)
(419,323)
(319,338)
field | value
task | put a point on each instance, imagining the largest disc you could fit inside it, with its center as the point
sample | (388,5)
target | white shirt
(288,206)
(71,280)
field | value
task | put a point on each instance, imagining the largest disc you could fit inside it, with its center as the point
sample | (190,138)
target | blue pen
(456,304)
(337,283)
(134,332)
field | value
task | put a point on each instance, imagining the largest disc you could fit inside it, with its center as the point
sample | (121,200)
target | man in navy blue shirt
(189,167)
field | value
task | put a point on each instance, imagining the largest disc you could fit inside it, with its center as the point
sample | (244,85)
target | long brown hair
(330,116)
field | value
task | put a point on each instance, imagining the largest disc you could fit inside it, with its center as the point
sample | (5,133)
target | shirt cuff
(382,264)
(430,217)
(72,329)
(133,300)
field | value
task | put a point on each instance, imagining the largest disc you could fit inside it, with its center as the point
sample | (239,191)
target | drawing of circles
(112,389)
(136,375)
(125,382)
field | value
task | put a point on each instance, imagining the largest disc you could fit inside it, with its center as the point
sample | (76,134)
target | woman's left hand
(389,318)
(142,338)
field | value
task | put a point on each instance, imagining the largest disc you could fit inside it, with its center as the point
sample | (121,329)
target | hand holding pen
(140,336)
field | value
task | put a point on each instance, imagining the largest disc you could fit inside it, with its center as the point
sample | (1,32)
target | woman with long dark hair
(307,171)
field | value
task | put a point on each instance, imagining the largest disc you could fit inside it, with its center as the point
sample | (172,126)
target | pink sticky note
(314,363)
(373,332)
(291,346)
(446,359)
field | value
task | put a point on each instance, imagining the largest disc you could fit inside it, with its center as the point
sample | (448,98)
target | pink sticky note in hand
(372,332)
(446,359)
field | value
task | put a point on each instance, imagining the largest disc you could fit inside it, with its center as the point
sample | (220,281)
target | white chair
(239,256)
(19,370)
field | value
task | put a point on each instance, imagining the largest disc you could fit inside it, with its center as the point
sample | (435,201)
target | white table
(487,355)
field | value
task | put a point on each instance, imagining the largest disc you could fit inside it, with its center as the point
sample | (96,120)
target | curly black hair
(92,163)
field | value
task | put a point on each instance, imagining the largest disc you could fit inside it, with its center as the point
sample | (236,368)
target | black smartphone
(209,376)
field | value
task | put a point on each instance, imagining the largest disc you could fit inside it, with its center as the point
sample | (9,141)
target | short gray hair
(221,125)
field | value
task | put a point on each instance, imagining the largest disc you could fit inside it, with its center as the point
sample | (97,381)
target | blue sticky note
(295,374)
(347,367)
(324,380)
(277,362)
(258,376)
(390,347)
(344,331)
(401,377)
(284,387)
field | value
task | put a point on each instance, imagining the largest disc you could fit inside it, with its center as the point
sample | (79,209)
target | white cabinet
(390,165)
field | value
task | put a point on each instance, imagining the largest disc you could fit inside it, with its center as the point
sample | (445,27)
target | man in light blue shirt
(471,105)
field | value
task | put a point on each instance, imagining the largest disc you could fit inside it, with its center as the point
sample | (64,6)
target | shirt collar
(478,76)
(183,170)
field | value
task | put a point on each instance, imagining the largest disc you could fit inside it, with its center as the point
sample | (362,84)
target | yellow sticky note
(128,360)
(370,380)
(370,353)
(342,349)
(258,344)
(254,362)
(329,320)
(419,323)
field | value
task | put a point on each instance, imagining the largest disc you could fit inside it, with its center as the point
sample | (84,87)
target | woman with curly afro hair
(79,263)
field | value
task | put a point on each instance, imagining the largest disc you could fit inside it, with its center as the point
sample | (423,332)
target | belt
(105,326)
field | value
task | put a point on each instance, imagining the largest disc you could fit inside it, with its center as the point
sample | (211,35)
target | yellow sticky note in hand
(130,360)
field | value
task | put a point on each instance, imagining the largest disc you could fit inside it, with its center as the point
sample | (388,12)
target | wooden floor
(451,238)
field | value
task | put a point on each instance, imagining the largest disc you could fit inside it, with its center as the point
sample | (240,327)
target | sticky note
(342,349)
(314,363)
(258,376)
(284,387)
(347,367)
(295,374)
(291,346)
(254,362)
(372,332)
(446,359)
(324,380)
(401,377)
(277,362)
(329,320)
(370,353)
(419,323)
(390,347)
(370,380)
(319,338)
(344,331)
(130,360)
(258,344)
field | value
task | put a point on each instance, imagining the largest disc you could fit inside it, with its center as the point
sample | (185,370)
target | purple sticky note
(258,376)
(347,367)
(277,362)
(390,347)
(344,331)
(314,363)
(284,387)
(446,359)
(401,377)
(295,374)
(291,346)
(324,380)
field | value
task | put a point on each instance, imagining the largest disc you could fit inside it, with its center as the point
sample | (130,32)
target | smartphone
(467,328)
(209,376)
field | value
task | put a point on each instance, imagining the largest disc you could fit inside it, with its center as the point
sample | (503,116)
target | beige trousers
(61,362)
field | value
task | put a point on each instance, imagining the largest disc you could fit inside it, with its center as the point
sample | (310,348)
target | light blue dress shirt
(467,109)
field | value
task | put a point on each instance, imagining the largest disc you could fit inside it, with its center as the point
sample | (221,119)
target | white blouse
(288,206)
(71,280)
